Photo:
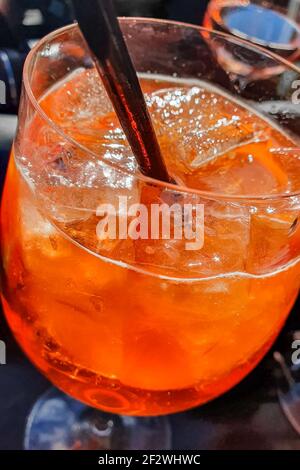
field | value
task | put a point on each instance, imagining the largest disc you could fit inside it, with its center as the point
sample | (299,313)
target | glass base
(57,422)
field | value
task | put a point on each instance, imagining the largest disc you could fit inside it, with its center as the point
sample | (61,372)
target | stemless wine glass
(141,327)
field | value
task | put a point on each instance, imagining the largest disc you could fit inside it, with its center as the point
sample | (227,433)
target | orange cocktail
(144,326)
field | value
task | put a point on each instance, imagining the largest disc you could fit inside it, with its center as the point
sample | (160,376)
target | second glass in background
(273,24)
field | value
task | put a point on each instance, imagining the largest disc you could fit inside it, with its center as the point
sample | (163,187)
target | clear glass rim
(176,188)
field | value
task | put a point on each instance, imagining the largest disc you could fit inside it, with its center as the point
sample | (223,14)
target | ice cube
(204,124)
(226,238)
(82,109)
(289,160)
(80,98)
(274,238)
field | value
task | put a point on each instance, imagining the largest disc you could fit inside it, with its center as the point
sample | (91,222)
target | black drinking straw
(101,30)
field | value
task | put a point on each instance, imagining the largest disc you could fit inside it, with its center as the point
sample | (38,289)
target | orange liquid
(168,332)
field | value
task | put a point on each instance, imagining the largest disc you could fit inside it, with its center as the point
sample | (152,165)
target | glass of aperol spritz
(141,327)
